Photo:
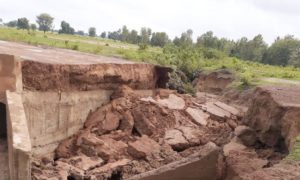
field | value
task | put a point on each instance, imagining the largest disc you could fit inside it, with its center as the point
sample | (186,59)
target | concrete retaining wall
(54,116)
(19,144)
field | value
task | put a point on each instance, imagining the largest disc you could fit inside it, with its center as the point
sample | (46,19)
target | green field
(188,60)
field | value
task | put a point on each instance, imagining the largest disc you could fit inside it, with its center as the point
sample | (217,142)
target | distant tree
(145,35)
(81,33)
(115,35)
(186,39)
(33,27)
(92,31)
(133,37)
(45,22)
(23,23)
(12,23)
(1,21)
(284,51)
(159,39)
(253,50)
(125,34)
(66,28)
(103,34)
(208,40)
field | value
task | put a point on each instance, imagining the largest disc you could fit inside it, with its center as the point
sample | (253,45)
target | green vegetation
(294,154)
(186,58)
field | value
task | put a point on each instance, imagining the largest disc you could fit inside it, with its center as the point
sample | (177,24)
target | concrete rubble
(131,135)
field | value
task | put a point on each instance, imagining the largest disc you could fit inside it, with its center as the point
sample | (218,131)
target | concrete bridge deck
(55,55)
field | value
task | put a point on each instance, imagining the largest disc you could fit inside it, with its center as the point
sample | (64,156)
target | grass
(188,60)
(295,152)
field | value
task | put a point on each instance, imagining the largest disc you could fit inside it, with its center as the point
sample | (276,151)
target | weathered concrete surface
(202,165)
(10,74)
(53,116)
(19,144)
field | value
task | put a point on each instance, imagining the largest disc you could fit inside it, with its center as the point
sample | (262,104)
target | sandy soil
(55,55)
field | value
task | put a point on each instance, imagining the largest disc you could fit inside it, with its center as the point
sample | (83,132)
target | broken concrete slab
(201,165)
(176,140)
(198,116)
(232,110)
(216,112)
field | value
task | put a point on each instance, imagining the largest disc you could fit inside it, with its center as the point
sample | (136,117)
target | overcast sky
(226,18)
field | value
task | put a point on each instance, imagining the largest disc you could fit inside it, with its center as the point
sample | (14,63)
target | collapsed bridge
(46,95)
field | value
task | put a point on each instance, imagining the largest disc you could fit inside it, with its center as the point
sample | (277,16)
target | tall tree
(45,22)
(23,23)
(125,34)
(92,31)
(283,51)
(66,28)
(159,39)
(186,39)
(208,40)
(133,37)
(145,35)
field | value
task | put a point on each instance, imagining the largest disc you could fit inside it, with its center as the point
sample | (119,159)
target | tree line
(283,51)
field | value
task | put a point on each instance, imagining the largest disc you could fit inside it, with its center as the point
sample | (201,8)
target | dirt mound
(69,77)
(215,81)
(131,135)
(274,115)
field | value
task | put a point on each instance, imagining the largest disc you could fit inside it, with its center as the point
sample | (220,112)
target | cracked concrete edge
(19,143)
(201,165)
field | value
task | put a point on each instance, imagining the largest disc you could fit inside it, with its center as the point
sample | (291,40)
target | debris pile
(131,135)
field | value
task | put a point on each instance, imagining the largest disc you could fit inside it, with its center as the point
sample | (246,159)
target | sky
(231,19)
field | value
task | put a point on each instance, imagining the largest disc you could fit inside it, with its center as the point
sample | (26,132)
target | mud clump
(214,82)
(131,135)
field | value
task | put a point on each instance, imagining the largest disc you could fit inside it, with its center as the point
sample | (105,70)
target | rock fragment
(199,117)
(143,147)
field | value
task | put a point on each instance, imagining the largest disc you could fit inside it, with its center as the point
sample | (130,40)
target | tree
(23,23)
(66,28)
(12,23)
(145,35)
(116,35)
(185,40)
(103,34)
(92,31)
(284,51)
(44,21)
(159,39)
(133,37)
(81,33)
(125,34)
(208,40)
(33,27)
(1,21)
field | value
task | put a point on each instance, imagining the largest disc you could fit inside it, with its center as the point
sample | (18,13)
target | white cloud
(227,18)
